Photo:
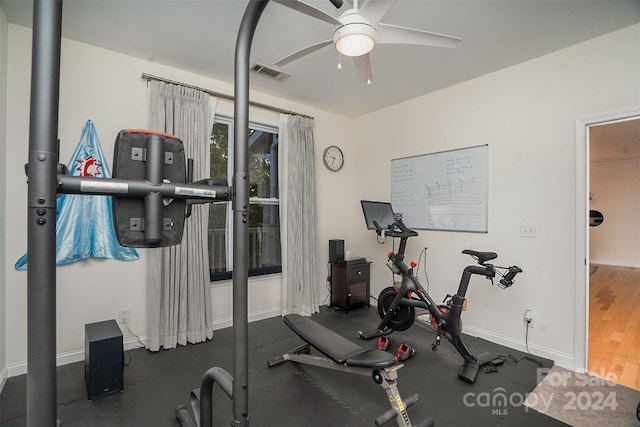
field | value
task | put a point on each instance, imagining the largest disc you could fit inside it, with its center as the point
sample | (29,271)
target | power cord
(423,253)
(530,357)
(128,353)
(126,325)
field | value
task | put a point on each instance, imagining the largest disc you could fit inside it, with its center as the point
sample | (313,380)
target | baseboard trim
(253,317)
(67,357)
(563,360)
(613,264)
(3,377)
(77,355)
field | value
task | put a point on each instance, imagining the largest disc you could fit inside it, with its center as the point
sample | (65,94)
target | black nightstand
(350,283)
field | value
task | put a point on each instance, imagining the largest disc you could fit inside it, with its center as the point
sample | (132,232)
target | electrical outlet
(528,318)
(123,315)
(528,230)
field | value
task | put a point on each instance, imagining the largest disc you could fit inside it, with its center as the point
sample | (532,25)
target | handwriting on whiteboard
(443,191)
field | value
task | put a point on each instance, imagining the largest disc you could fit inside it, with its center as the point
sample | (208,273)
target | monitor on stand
(381,212)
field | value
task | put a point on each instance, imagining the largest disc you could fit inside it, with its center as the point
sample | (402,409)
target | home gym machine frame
(41,214)
(47,178)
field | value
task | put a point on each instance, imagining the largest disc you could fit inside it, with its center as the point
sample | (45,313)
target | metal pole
(240,214)
(41,216)
(153,200)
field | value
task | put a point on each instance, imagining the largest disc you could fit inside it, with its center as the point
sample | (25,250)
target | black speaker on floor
(103,358)
(336,251)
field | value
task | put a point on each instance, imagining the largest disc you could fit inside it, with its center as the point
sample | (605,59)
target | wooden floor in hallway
(614,324)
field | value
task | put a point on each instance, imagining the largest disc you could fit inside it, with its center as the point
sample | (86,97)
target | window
(264,203)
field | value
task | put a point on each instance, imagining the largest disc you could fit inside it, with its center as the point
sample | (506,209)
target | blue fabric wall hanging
(84,223)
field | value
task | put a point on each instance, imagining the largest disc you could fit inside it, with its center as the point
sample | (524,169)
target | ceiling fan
(358,30)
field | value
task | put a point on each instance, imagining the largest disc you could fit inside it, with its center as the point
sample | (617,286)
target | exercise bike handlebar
(507,279)
(490,271)
(395,229)
(483,257)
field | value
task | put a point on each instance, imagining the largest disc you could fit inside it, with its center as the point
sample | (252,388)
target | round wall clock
(333,158)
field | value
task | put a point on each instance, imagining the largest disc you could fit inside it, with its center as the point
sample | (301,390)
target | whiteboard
(442,191)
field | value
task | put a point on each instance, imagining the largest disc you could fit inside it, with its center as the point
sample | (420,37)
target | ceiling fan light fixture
(355,39)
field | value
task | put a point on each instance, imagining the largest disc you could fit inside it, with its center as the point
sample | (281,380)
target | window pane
(263,159)
(219,155)
(264,236)
(264,215)
(219,149)
(218,237)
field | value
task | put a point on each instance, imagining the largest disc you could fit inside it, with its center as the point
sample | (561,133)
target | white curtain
(297,216)
(178,293)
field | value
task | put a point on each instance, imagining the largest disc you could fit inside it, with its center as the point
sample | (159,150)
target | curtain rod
(150,77)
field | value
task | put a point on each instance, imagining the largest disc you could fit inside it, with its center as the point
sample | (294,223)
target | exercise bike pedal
(405,352)
(436,343)
(383,342)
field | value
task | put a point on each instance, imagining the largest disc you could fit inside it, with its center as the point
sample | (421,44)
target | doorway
(612,282)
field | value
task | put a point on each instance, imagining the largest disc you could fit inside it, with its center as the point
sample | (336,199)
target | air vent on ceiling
(270,72)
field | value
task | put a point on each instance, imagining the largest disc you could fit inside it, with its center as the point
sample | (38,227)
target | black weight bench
(344,355)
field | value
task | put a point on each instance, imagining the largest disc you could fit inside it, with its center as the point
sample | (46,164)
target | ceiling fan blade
(363,65)
(309,10)
(302,52)
(392,34)
(374,10)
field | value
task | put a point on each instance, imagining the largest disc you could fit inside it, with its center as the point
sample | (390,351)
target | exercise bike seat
(482,257)
(335,346)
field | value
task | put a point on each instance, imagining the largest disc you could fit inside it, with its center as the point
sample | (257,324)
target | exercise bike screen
(381,212)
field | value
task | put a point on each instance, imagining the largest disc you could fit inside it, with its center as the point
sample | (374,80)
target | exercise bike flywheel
(403,316)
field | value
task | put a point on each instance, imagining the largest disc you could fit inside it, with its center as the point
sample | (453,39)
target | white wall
(106,87)
(3,155)
(527,114)
(615,188)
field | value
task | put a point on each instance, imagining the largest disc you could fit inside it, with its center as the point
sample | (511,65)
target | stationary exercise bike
(397,304)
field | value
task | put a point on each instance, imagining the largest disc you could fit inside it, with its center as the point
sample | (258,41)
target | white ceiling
(199,36)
